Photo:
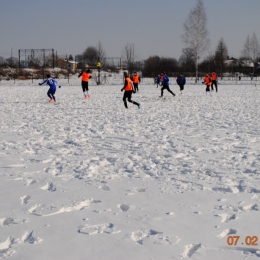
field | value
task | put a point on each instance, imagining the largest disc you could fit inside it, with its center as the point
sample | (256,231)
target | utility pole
(12,57)
(53,63)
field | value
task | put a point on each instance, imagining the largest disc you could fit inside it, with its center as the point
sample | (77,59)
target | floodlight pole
(12,57)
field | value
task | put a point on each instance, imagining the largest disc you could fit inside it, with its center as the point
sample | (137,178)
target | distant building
(239,65)
(258,68)
(82,66)
(67,64)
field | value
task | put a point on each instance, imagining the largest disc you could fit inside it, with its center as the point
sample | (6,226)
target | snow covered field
(93,180)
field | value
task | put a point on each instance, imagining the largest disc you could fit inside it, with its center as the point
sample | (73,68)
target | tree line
(196,44)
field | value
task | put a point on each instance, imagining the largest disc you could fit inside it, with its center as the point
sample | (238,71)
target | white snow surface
(93,180)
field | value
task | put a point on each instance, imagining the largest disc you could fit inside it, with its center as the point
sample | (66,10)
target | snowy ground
(92,180)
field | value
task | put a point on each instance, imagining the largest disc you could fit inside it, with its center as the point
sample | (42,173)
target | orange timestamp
(249,240)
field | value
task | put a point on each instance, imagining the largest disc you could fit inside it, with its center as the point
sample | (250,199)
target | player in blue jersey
(165,84)
(53,83)
(181,81)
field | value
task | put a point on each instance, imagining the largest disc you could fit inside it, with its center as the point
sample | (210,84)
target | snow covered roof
(242,63)
(68,61)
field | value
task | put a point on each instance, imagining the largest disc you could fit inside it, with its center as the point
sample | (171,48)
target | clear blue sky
(154,26)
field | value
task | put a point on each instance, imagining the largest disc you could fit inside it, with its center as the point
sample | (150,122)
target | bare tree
(129,57)
(2,60)
(93,55)
(187,60)
(49,60)
(90,55)
(251,49)
(101,54)
(255,49)
(36,62)
(151,66)
(208,64)
(246,52)
(195,33)
(221,55)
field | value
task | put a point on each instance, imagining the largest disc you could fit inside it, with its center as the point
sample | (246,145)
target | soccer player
(128,88)
(53,83)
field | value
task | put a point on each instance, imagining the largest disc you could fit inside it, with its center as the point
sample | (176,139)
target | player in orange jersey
(214,78)
(128,88)
(86,76)
(136,79)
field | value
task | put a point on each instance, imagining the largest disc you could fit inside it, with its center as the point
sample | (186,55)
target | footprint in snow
(30,182)
(98,229)
(135,190)
(249,207)
(49,187)
(33,209)
(6,246)
(140,189)
(105,188)
(156,237)
(28,237)
(6,221)
(25,199)
(227,232)
(190,250)
(227,217)
(124,207)
(78,206)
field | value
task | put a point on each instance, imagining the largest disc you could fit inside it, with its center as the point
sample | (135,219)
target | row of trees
(191,61)
(97,55)
(196,39)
